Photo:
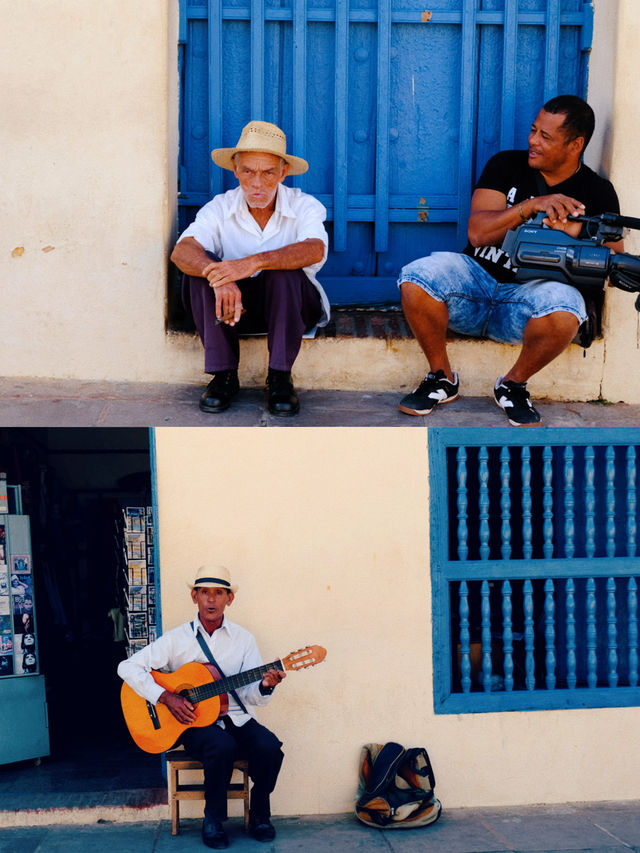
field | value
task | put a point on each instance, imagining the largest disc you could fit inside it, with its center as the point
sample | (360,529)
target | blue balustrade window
(535,569)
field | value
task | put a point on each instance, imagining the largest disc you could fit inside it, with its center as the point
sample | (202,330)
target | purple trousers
(282,303)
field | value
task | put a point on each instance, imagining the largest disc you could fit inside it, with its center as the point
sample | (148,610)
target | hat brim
(223,157)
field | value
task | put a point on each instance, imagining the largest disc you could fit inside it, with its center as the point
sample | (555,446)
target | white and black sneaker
(435,388)
(513,399)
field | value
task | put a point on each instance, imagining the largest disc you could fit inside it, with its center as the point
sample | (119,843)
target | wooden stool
(179,759)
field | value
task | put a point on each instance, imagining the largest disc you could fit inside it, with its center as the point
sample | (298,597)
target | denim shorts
(483,307)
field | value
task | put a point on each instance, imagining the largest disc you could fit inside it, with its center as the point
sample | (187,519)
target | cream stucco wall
(326,532)
(89,142)
(89,139)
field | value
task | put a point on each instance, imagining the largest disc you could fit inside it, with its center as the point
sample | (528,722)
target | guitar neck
(230,682)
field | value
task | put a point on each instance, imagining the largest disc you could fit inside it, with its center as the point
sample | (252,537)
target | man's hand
(222,277)
(229,272)
(557,208)
(181,708)
(273,677)
(228,302)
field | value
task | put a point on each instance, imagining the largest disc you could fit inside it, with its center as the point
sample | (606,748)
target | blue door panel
(396,108)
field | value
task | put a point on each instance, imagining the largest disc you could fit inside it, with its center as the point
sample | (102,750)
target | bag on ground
(396,787)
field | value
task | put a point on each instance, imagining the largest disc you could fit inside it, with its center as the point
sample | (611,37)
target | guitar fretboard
(230,682)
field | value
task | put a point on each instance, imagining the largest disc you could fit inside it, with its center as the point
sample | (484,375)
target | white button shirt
(233,647)
(225,227)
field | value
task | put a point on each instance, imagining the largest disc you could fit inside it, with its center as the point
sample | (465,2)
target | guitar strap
(205,648)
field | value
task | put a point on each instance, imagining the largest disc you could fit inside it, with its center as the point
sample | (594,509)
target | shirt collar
(240,209)
(196,624)
(283,206)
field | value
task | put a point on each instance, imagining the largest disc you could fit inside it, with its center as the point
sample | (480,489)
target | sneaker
(513,398)
(435,388)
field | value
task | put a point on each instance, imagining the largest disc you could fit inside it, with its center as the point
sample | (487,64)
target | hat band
(213,582)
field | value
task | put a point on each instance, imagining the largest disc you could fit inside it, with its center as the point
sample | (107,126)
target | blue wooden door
(396,108)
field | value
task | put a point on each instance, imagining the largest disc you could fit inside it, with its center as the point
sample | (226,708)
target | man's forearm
(489,220)
(292,257)
(189,256)
(488,227)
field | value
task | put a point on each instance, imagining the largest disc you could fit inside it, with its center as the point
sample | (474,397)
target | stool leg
(175,807)
(245,780)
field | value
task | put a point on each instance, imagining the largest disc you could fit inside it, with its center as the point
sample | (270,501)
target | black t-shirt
(509,172)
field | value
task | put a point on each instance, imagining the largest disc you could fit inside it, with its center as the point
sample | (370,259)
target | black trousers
(217,748)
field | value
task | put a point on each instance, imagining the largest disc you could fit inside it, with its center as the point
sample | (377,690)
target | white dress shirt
(225,227)
(233,648)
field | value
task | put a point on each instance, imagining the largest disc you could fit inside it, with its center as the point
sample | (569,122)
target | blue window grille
(395,106)
(534,568)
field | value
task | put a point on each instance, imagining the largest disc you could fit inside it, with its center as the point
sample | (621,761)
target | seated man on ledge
(476,294)
(237,734)
(250,260)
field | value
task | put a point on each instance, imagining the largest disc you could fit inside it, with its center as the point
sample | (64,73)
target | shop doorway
(74,485)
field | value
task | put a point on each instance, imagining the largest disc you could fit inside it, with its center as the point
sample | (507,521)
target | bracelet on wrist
(521,212)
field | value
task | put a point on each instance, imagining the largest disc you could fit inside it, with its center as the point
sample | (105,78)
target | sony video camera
(539,252)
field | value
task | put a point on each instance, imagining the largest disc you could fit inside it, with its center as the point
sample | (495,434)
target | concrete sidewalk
(571,828)
(67,403)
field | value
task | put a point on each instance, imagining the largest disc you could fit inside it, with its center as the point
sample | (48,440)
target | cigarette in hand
(229,316)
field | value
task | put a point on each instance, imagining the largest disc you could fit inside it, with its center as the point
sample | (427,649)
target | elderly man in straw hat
(250,261)
(211,637)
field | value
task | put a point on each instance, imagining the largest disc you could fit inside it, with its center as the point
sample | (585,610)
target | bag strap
(205,648)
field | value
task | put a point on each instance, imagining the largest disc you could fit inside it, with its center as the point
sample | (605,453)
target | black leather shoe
(213,834)
(218,394)
(282,399)
(263,830)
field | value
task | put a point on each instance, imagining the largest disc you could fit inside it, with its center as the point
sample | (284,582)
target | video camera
(539,252)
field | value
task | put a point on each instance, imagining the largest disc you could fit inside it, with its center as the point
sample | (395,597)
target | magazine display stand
(139,577)
(23,705)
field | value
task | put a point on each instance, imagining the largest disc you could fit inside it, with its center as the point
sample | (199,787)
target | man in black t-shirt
(475,293)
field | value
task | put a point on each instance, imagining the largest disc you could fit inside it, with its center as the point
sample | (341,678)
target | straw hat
(214,576)
(263,137)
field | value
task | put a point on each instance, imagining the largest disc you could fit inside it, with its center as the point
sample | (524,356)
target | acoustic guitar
(155,729)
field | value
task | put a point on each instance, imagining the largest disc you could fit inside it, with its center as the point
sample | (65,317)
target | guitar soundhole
(186,693)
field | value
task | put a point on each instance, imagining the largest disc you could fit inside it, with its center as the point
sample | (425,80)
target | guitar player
(211,637)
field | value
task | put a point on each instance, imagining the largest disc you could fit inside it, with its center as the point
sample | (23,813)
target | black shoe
(218,394)
(282,399)
(213,834)
(435,388)
(263,829)
(513,399)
